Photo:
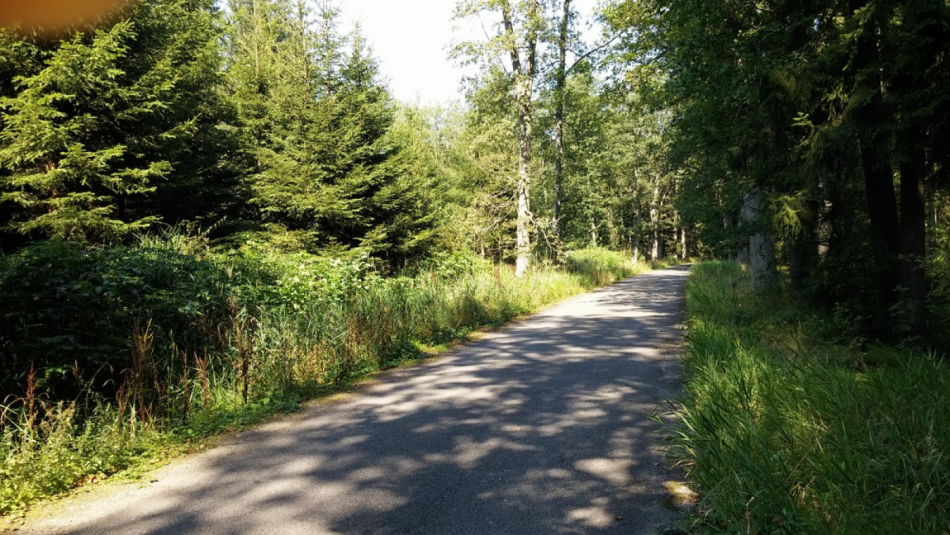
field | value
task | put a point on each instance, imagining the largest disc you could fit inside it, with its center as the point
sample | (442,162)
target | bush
(601,266)
(69,312)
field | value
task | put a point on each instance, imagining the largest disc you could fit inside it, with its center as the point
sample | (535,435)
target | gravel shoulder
(542,427)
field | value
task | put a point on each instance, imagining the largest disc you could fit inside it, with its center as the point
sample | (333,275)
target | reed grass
(787,428)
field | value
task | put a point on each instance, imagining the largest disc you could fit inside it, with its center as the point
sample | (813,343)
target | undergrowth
(112,356)
(789,427)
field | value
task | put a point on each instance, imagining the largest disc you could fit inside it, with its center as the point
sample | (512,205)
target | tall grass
(788,429)
(186,343)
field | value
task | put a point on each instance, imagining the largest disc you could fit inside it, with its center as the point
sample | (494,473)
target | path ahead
(540,428)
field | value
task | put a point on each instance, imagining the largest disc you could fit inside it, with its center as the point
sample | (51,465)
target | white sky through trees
(411,38)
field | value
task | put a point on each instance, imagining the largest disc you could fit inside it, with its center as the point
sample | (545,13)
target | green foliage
(328,162)
(101,129)
(68,312)
(42,459)
(600,266)
(785,431)
(827,108)
(110,352)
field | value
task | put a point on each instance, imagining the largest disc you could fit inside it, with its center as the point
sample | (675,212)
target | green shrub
(69,312)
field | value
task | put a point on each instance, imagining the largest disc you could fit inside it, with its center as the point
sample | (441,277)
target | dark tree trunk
(882,211)
(913,244)
(878,174)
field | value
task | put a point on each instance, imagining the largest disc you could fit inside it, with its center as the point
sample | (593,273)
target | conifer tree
(99,127)
(326,172)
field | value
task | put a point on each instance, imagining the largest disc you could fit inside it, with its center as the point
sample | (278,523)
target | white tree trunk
(683,255)
(524,74)
(655,225)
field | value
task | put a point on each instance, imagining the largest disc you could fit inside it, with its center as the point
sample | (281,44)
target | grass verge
(130,355)
(788,427)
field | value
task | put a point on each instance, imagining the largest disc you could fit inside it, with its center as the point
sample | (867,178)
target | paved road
(542,427)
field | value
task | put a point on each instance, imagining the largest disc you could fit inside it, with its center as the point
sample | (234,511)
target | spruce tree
(100,127)
(325,173)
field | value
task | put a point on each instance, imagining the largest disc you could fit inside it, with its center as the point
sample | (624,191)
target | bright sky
(411,40)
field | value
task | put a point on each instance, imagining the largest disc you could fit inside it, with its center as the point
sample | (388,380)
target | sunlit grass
(277,329)
(784,431)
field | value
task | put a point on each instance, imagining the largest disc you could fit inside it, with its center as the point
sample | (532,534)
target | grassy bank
(119,355)
(789,426)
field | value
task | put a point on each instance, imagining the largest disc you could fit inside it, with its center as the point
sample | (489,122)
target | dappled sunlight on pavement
(543,427)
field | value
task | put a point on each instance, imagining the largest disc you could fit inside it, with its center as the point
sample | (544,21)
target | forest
(211,211)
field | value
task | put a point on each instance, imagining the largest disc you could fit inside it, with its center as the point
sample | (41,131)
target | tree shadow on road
(541,428)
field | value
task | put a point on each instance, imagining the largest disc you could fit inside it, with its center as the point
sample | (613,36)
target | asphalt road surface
(540,428)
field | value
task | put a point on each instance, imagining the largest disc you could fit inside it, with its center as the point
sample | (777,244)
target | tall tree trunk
(636,232)
(654,243)
(524,185)
(885,246)
(683,249)
(613,237)
(679,234)
(913,243)
(655,224)
(524,75)
(761,243)
(878,175)
(826,224)
(560,83)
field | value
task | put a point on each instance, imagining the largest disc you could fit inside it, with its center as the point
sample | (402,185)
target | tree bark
(913,243)
(761,243)
(878,175)
(636,233)
(655,225)
(613,236)
(683,248)
(524,75)
(560,83)
(882,211)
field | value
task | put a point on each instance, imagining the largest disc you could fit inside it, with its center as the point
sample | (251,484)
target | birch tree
(512,31)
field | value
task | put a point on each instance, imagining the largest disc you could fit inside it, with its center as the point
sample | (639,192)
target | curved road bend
(542,427)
